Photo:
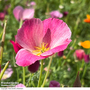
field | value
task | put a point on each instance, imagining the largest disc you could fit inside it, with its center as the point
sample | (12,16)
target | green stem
(17,75)
(21,22)
(2,42)
(4,70)
(84,70)
(68,53)
(82,65)
(41,69)
(24,75)
(47,71)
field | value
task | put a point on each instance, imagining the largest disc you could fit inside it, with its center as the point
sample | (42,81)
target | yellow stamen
(40,50)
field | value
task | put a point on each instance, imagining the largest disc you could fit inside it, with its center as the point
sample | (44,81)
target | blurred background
(73,13)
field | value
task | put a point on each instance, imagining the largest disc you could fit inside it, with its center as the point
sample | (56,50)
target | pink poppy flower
(79,54)
(41,39)
(54,84)
(56,14)
(20,85)
(20,13)
(2,16)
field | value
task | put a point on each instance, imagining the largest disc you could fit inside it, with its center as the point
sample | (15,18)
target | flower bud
(34,67)
(79,54)
(54,84)
(86,58)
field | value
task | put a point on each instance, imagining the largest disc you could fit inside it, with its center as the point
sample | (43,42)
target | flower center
(40,50)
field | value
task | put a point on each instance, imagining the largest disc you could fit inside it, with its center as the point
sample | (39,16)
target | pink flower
(86,58)
(2,16)
(20,85)
(7,73)
(56,14)
(20,13)
(79,54)
(34,67)
(41,39)
(33,3)
(54,84)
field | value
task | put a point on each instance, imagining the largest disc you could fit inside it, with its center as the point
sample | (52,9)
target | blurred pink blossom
(47,69)
(86,58)
(20,13)
(79,54)
(56,14)
(54,84)
(7,73)
(33,3)
(2,16)
(20,85)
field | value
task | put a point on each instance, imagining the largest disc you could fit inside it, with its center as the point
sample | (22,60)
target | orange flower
(85,44)
(88,19)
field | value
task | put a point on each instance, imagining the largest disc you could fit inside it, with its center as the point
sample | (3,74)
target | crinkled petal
(28,14)
(17,12)
(25,58)
(30,34)
(57,49)
(59,31)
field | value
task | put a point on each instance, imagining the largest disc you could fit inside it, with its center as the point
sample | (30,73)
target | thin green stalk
(47,72)
(21,22)
(2,42)
(82,65)
(69,53)
(17,75)
(4,69)
(41,69)
(84,70)
(28,82)
(24,75)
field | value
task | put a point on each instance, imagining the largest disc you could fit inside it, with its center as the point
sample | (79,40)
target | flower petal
(25,58)
(28,14)
(59,31)
(16,46)
(30,34)
(56,14)
(17,12)
(56,49)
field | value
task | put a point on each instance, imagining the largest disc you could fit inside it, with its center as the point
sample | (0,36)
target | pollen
(39,50)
